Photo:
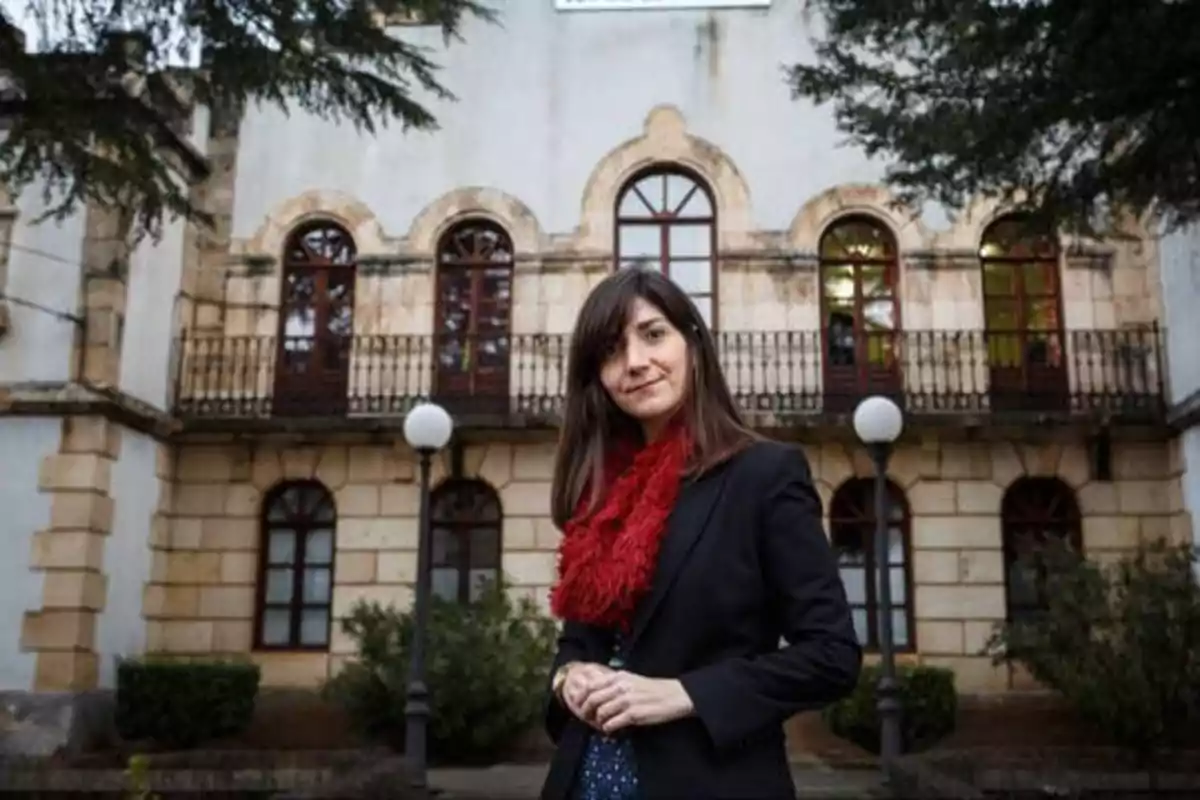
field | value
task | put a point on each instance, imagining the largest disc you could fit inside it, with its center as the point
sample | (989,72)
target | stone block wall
(202,599)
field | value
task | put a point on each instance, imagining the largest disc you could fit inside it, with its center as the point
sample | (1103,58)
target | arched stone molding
(475,201)
(815,216)
(267,242)
(665,140)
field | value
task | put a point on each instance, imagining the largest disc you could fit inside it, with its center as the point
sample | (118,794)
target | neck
(653,429)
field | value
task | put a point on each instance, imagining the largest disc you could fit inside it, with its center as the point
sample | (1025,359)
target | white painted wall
(23,512)
(1179,256)
(44,268)
(153,280)
(545,97)
(121,630)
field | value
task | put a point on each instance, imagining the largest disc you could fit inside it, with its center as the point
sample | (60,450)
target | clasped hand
(609,699)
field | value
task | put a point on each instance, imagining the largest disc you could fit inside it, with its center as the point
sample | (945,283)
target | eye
(655,334)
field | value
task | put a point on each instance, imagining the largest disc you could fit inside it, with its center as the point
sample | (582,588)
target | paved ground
(524,781)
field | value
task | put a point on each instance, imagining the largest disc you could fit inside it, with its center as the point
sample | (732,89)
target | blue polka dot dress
(608,771)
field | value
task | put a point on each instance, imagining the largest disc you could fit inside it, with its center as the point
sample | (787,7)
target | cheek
(610,378)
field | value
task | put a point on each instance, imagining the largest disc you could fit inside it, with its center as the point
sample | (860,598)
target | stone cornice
(68,398)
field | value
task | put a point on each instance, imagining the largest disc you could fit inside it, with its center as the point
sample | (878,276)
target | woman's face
(647,372)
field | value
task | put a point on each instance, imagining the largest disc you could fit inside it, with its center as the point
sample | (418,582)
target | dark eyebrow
(644,324)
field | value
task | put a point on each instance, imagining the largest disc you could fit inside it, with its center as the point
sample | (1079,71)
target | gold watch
(560,678)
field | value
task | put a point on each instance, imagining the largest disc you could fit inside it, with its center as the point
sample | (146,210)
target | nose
(637,358)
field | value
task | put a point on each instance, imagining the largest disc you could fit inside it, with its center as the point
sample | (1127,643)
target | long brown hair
(592,423)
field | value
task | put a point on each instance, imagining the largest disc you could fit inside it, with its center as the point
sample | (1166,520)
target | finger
(612,708)
(625,719)
(599,697)
(605,679)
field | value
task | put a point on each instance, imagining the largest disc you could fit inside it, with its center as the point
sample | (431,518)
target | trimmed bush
(179,704)
(928,703)
(487,664)
(1120,642)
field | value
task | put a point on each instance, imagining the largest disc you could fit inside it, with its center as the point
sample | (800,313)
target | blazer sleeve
(572,646)
(740,697)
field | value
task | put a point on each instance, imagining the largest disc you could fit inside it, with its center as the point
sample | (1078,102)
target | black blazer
(744,562)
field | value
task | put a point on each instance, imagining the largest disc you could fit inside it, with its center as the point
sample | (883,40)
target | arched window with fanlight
(1022,306)
(316,321)
(1033,512)
(852,534)
(860,309)
(295,575)
(666,220)
(466,521)
(474,316)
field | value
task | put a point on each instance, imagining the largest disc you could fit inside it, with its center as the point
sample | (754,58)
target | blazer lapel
(687,522)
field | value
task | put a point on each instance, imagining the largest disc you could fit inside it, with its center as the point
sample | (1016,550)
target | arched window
(1033,511)
(666,219)
(860,307)
(474,312)
(295,585)
(466,520)
(316,321)
(1022,306)
(852,534)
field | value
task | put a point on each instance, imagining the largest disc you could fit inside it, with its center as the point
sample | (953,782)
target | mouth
(643,386)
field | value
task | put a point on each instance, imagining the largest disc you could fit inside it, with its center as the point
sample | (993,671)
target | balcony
(780,378)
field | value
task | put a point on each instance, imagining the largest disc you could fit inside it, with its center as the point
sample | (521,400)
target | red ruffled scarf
(607,559)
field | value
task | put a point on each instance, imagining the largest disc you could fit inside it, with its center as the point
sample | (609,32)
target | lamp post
(878,422)
(427,429)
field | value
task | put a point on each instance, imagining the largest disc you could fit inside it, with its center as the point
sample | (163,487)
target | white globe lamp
(428,427)
(878,420)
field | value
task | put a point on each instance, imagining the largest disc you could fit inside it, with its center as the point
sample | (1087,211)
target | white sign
(647,5)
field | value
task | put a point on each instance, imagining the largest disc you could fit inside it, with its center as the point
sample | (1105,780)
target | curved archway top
(1051,489)
(665,142)
(969,226)
(848,489)
(484,495)
(857,200)
(459,205)
(317,204)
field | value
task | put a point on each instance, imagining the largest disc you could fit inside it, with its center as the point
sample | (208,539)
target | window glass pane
(694,277)
(317,587)
(854,579)
(1039,277)
(879,315)
(850,541)
(900,627)
(318,548)
(480,579)
(281,548)
(680,193)
(640,241)
(860,625)
(485,547)
(444,582)
(446,550)
(279,586)
(314,627)
(897,582)
(276,628)
(837,283)
(999,279)
(690,241)
(1022,585)
(895,546)
(697,206)
(1043,315)
(633,206)
(876,280)
(704,306)
(323,512)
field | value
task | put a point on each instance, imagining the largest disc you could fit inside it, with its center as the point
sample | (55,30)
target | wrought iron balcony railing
(1116,372)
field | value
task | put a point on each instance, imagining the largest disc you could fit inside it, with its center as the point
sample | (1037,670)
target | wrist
(559,679)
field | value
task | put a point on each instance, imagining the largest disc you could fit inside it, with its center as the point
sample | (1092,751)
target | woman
(690,548)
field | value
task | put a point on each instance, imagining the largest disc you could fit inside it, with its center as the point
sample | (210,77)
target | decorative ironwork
(1110,372)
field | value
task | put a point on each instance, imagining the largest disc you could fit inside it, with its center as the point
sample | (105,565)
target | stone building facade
(208,434)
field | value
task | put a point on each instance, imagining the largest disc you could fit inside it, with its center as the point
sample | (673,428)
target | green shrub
(487,664)
(928,703)
(1121,643)
(182,704)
